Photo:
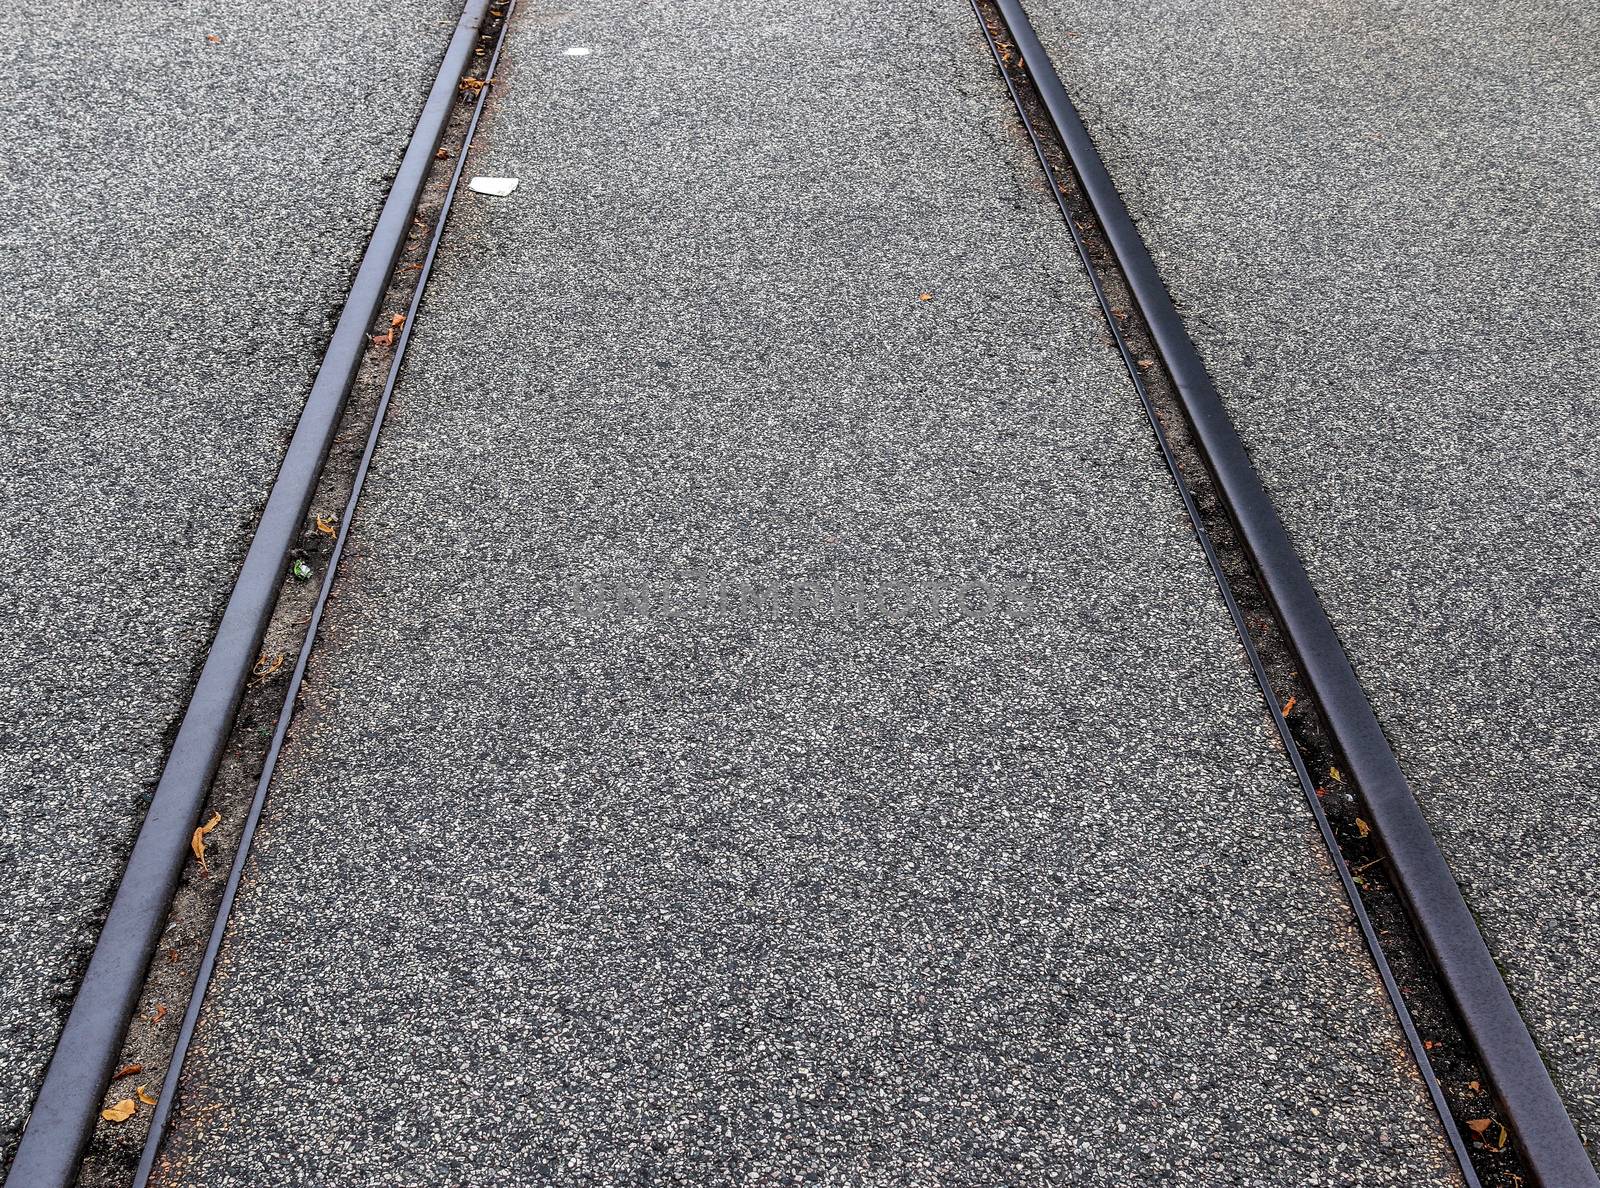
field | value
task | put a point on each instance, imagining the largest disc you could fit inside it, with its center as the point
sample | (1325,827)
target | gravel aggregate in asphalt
(548,893)
(184,194)
(1380,221)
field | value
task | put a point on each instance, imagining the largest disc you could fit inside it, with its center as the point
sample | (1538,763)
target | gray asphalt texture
(748,896)
(179,221)
(1380,222)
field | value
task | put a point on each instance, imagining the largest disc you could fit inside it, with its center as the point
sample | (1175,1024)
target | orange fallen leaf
(397,320)
(385,339)
(1146,364)
(120,1112)
(1289,705)
(144,1096)
(213,39)
(924,296)
(1362,827)
(160,1013)
(326,527)
(127,1070)
(1479,1125)
(197,843)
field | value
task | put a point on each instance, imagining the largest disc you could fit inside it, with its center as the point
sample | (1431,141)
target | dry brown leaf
(1479,1125)
(326,526)
(397,320)
(120,1112)
(160,1013)
(143,1094)
(127,1070)
(198,842)
(213,39)
(384,339)
(1289,705)
(924,296)
(1146,364)
(1362,827)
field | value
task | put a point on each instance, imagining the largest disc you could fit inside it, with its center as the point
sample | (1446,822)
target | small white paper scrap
(498,186)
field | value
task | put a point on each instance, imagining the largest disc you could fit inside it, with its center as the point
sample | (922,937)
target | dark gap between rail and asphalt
(1286,633)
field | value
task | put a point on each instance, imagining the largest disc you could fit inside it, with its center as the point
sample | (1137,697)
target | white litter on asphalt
(578,51)
(498,186)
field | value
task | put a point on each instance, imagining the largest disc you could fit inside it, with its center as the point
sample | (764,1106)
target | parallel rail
(1550,1145)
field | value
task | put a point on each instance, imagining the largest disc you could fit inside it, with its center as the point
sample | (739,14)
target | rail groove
(67,1106)
(1546,1141)
(191,1018)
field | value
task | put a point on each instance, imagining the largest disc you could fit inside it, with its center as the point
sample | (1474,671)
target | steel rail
(1549,1142)
(1258,668)
(68,1103)
(191,1016)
